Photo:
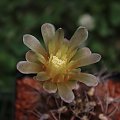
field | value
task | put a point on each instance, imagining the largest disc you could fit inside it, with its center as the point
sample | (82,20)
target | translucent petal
(31,57)
(56,42)
(64,48)
(88,79)
(62,52)
(93,58)
(81,53)
(72,84)
(42,76)
(79,36)
(74,71)
(51,47)
(78,70)
(48,32)
(60,38)
(34,44)
(28,67)
(41,58)
(70,54)
(50,87)
(65,92)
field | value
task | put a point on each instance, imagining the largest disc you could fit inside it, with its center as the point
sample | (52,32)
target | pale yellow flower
(57,65)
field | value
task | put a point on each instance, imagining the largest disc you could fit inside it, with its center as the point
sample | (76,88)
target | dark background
(19,17)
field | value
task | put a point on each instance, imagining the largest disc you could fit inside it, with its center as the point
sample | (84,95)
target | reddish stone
(26,98)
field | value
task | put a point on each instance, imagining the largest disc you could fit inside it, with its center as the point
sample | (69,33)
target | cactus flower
(57,65)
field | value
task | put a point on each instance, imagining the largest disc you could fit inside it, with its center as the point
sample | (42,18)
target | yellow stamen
(58,63)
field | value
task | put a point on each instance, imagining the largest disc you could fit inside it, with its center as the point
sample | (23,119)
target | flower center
(58,63)
(56,68)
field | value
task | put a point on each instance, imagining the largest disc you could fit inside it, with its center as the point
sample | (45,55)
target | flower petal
(41,58)
(31,57)
(74,71)
(59,35)
(65,92)
(83,52)
(72,84)
(42,76)
(62,52)
(50,87)
(79,36)
(93,58)
(35,57)
(88,79)
(70,54)
(55,43)
(48,31)
(34,44)
(28,67)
